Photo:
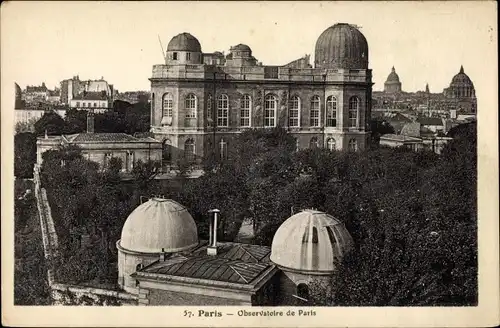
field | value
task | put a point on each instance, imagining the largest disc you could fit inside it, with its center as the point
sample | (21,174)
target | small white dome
(310,241)
(159,224)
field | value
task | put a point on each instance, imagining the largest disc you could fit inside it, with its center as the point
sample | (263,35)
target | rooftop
(235,263)
(92,95)
(104,137)
(430,121)
(399,137)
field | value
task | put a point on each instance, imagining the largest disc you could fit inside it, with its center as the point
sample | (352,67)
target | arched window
(314,112)
(353,111)
(223,149)
(245,105)
(270,107)
(223,110)
(331,144)
(168,103)
(353,145)
(167,150)
(190,105)
(294,112)
(210,114)
(189,150)
(313,143)
(303,291)
(139,267)
(331,111)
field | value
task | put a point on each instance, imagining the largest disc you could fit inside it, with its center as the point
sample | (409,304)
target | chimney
(90,122)
(212,243)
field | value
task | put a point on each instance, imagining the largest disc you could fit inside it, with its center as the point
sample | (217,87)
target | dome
(341,46)
(461,78)
(159,224)
(184,42)
(241,47)
(393,76)
(311,241)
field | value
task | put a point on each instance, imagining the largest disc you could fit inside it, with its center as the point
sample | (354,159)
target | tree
(51,123)
(24,154)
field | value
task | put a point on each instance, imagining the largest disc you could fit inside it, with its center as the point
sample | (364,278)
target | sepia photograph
(250,161)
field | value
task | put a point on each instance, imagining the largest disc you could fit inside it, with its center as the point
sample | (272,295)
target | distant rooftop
(104,137)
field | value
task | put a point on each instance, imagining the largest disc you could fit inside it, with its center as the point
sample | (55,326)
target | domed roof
(393,76)
(184,42)
(341,46)
(159,224)
(310,241)
(241,47)
(461,78)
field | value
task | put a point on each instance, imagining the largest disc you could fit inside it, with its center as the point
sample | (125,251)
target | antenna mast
(162,51)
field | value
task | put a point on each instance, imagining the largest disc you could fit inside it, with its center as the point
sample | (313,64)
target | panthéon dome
(341,46)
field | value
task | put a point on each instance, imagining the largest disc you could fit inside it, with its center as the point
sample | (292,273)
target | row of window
(270,109)
(189,147)
(84,104)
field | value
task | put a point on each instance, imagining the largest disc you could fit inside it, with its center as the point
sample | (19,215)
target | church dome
(241,47)
(393,76)
(184,42)
(461,78)
(159,225)
(310,241)
(341,46)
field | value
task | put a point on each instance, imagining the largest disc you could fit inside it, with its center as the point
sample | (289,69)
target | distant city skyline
(426,42)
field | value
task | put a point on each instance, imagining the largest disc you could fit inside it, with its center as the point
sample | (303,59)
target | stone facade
(190,97)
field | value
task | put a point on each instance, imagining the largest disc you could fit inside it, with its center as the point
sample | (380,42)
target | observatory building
(200,101)
(161,259)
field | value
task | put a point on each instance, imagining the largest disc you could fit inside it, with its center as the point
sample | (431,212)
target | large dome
(310,241)
(461,79)
(341,46)
(159,225)
(184,42)
(393,76)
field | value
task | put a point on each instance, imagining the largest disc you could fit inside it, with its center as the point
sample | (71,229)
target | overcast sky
(426,42)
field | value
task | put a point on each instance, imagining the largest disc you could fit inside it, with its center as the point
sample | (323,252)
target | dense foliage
(24,154)
(30,284)
(412,214)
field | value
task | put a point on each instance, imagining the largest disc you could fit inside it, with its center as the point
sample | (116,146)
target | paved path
(246,233)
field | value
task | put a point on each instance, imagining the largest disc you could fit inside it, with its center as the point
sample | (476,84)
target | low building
(161,259)
(33,114)
(434,124)
(97,101)
(398,140)
(101,147)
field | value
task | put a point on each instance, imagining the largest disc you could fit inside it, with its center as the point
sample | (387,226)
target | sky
(427,42)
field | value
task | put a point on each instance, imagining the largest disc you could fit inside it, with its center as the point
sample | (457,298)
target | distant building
(200,102)
(462,94)
(101,147)
(392,84)
(163,262)
(33,114)
(134,96)
(97,101)
(75,88)
(36,93)
(397,140)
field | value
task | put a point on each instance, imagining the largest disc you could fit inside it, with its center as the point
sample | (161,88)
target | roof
(393,77)
(41,88)
(341,46)
(159,225)
(399,137)
(184,42)
(411,129)
(234,263)
(104,137)
(430,121)
(310,241)
(92,95)
(461,78)
(241,47)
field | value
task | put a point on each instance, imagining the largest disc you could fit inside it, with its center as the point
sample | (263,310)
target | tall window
(222,110)
(331,111)
(189,150)
(353,111)
(294,112)
(353,145)
(303,291)
(190,104)
(245,106)
(174,56)
(314,113)
(313,143)
(223,149)
(188,56)
(210,114)
(270,107)
(168,102)
(331,144)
